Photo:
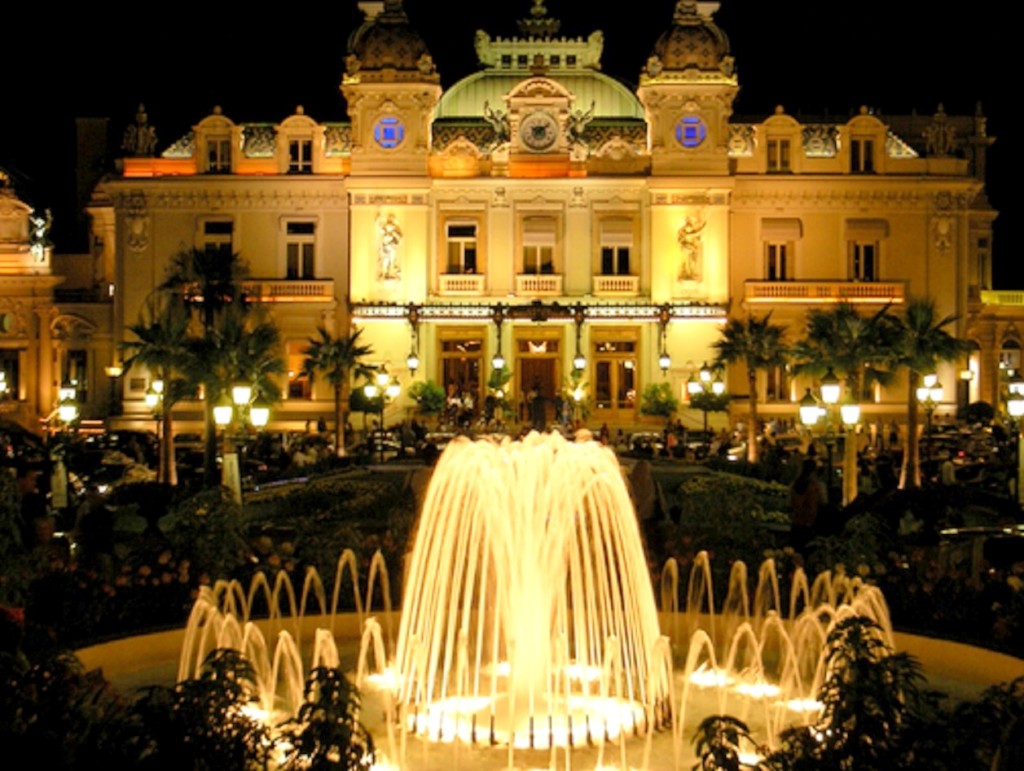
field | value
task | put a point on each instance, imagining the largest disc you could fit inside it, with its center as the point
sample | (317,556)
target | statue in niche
(689,241)
(390,234)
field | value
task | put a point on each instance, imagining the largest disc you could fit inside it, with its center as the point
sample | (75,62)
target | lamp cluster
(241,399)
(811,410)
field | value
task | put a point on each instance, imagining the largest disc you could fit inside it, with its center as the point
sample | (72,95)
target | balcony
(539,285)
(1001,297)
(304,290)
(823,292)
(461,284)
(616,286)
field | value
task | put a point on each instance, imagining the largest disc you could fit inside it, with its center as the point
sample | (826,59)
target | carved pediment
(539,88)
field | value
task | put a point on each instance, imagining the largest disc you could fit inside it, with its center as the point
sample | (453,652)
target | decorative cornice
(538,311)
(198,196)
(829,196)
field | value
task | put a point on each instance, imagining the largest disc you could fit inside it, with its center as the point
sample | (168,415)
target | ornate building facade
(542,211)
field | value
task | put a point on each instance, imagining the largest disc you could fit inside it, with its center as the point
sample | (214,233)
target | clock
(538,131)
(691,130)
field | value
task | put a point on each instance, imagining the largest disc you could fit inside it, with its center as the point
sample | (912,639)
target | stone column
(44,362)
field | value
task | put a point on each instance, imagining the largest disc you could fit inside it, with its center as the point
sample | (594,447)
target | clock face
(388,132)
(691,130)
(538,131)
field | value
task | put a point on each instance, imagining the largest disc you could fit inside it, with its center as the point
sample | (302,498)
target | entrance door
(538,386)
(615,379)
(537,363)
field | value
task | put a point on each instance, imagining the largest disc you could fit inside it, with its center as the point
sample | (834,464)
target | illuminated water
(529,631)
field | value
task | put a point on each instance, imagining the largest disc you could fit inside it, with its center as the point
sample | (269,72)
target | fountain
(529,616)
(528,624)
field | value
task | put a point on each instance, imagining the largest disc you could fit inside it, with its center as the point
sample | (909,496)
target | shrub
(327,734)
(200,723)
(429,397)
(658,399)
(208,529)
(874,710)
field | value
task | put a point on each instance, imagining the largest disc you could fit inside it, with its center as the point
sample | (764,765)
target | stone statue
(388,268)
(39,235)
(499,123)
(940,136)
(578,121)
(689,241)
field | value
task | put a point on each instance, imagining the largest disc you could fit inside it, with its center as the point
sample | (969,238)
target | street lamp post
(387,389)
(929,395)
(811,412)
(113,372)
(154,399)
(706,389)
(1015,406)
(240,411)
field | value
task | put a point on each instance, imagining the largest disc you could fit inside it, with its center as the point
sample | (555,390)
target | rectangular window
(983,263)
(862,156)
(539,238)
(616,244)
(570,60)
(300,248)
(778,155)
(300,156)
(522,60)
(9,368)
(218,155)
(864,260)
(506,61)
(217,235)
(77,374)
(776,261)
(462,253)
(777,382)
(299,386)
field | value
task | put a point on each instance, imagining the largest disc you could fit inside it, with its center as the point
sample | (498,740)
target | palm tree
(338,358)
(160,345)
(853,346)
(919,342)
(243,346)
(759,345)
(207,282)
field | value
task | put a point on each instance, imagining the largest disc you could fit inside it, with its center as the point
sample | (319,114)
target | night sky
(258,63)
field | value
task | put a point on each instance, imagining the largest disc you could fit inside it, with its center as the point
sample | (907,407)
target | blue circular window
(691,131)
(388,132)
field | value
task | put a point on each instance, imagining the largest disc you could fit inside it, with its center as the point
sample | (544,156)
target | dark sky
(260,62)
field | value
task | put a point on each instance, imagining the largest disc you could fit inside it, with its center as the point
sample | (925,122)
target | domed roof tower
(687,89)
(391,86)
(386,47)
(693,41)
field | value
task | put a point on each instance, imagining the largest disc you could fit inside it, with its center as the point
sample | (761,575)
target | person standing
(806,497)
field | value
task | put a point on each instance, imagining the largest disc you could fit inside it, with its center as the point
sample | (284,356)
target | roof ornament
(140,138)
(539,25)
(940,136)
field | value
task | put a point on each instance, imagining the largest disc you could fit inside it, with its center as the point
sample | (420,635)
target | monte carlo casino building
(541,210)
